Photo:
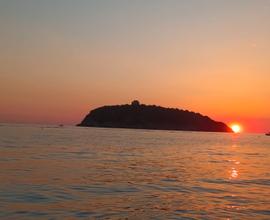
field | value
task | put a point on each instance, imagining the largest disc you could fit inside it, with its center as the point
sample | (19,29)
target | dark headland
(142,116)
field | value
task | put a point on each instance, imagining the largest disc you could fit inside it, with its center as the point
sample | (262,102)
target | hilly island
(141,116)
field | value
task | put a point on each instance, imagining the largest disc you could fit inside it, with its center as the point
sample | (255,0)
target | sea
(54,172)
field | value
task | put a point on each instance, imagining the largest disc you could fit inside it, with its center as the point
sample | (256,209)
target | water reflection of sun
(234,173)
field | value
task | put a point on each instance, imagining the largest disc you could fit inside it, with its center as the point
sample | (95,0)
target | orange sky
(59,59)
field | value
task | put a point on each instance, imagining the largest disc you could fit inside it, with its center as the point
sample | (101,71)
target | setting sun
(236,128)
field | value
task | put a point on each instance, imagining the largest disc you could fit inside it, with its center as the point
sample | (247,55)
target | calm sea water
(98,173)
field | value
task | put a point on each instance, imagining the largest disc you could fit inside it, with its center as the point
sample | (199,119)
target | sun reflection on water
(233,173)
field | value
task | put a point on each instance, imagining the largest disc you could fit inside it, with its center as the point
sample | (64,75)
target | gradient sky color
(61,58)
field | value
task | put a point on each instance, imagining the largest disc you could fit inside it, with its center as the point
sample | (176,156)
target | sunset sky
(61,58)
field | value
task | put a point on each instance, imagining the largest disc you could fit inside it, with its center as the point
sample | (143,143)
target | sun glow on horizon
(236,128)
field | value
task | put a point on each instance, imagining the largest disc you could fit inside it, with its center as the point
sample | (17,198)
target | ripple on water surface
(96,173)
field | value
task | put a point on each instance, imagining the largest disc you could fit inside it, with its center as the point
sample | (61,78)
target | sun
(236,128)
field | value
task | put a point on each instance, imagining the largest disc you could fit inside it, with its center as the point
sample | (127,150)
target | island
(141,116)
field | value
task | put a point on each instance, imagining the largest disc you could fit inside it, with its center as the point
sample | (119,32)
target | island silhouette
(141,116)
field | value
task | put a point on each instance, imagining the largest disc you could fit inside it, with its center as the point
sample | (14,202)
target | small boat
(267,134)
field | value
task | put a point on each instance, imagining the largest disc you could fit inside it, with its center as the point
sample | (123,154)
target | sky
(61,58)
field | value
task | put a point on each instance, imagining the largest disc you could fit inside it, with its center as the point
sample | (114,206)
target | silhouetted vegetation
(142,116)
